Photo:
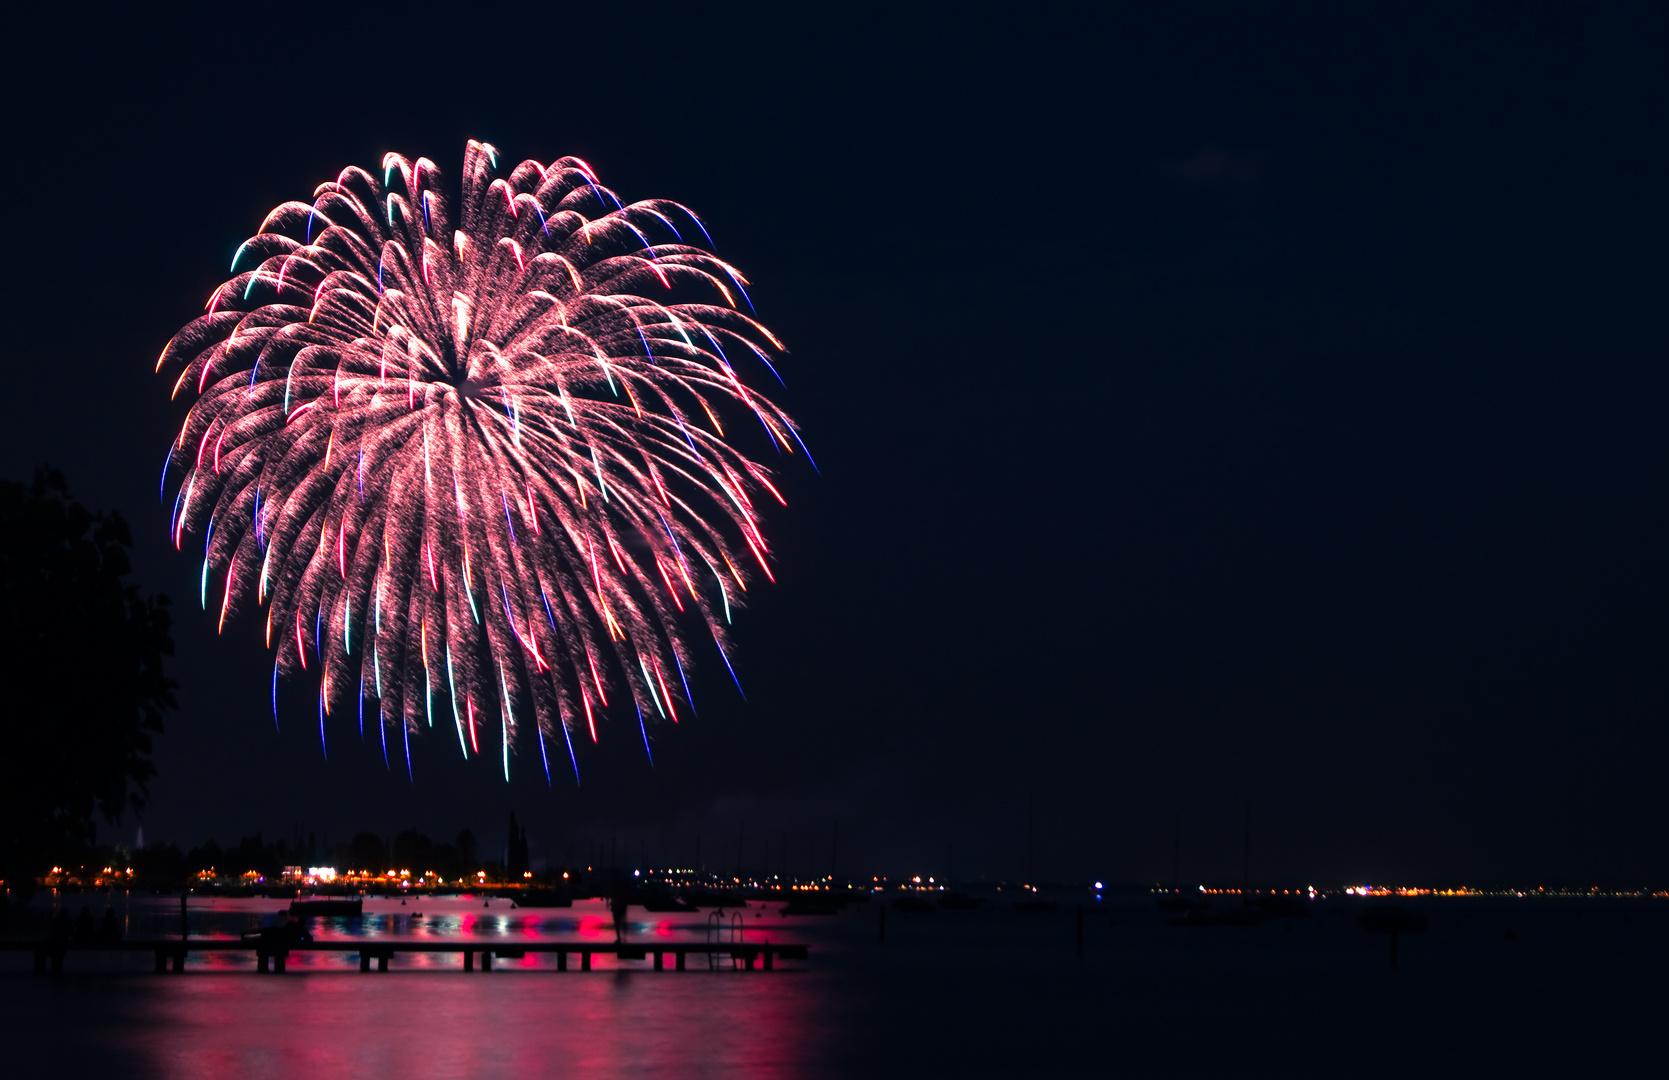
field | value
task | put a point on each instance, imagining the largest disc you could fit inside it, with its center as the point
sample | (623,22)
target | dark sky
(1213,406)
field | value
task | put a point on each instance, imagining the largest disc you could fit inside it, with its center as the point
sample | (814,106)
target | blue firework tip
(642,727)
(664,220)
(765,359)
(803,448)
(694,449)
(669,536)
(700,225)
(323,749)
(569,741)
(275,695)
(729,668)
(507,522)
(741,289)
(508,614)
(689,698)
(174,518)
(162,489)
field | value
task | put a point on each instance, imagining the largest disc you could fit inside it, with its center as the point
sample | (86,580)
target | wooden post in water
(1031,808)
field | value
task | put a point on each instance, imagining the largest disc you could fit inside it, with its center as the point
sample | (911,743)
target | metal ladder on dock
(716,931)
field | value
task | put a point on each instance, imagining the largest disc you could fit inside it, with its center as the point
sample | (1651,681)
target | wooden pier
(170,953)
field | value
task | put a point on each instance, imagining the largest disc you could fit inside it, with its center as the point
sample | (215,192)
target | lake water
(1537,986)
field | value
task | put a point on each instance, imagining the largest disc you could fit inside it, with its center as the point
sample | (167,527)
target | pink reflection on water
(450,1024)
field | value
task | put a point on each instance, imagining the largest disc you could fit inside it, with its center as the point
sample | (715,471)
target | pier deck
(170,953)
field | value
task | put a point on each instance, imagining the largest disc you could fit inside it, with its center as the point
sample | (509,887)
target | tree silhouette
(83,685)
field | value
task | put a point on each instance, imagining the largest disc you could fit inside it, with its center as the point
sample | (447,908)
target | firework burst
(473,460)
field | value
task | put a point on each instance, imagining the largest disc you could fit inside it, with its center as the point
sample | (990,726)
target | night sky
(1213,408)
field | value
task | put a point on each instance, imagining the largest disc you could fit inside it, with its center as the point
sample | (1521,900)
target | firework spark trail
(477,452)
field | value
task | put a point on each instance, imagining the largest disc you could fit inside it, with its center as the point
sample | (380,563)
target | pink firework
(474,461)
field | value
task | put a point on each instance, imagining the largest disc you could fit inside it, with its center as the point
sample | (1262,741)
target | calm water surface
(1575,987)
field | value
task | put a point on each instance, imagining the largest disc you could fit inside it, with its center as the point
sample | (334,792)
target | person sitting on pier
(84,926)
(617,906)
(108,932)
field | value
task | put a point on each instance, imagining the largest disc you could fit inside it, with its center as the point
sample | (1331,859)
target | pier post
(585,960)
(179,961)
(660,965)
(278,959)
(263,961)
(562,959)
(680,959)
(486,961)
(161,961)
(768,956)
(469,959)
(382,961)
